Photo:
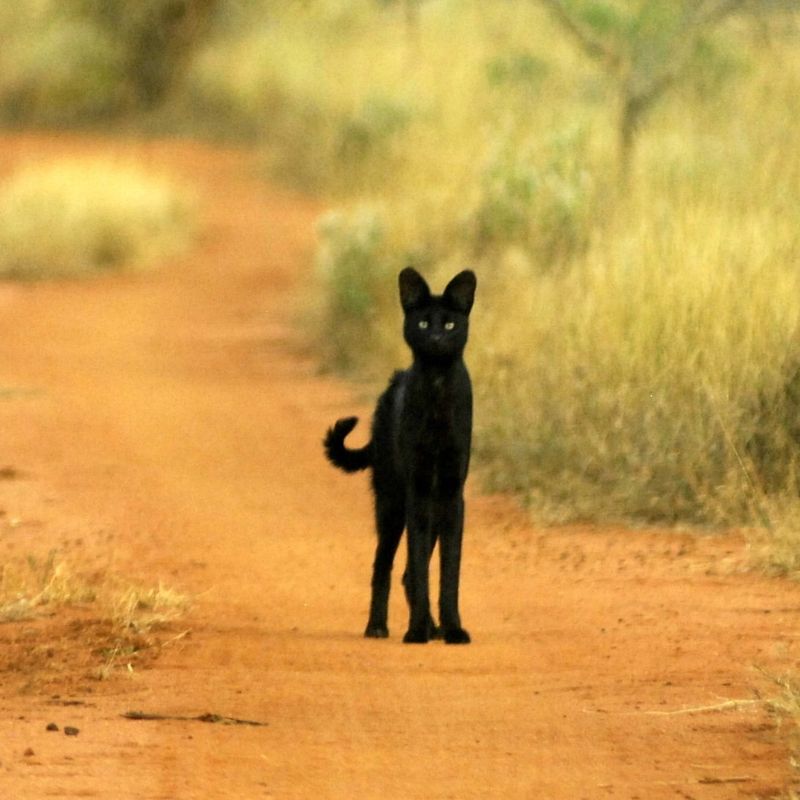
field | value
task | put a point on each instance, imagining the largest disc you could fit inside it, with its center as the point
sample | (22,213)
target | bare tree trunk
(629,120)
(639,92)
(635,102)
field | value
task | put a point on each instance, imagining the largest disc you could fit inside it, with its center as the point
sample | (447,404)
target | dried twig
(207,717)
(728,705)
(592,45)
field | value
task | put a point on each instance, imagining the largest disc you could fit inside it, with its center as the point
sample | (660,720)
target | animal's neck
(436,369)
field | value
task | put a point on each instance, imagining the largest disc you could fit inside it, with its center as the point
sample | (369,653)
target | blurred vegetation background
(623,175)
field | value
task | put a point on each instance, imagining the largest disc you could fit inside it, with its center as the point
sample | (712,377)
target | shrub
(355,272)
(74,217)
(627,386)
(536,195)
(156,38)
(371,129)
(79,61)
(520,69)
(68,71)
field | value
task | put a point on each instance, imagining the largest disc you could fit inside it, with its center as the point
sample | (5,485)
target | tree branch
(719,10)
(212,718)
(706,14)
(590,44)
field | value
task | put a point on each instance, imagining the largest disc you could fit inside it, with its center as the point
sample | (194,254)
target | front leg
(434,631)
(451,522)
(419,552)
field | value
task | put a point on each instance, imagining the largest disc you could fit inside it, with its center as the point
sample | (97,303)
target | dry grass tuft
(141,609)
(775,545)
(785,706)
(74,218)
(118,620)
(27,587)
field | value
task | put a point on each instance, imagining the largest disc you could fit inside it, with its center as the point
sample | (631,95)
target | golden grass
(32,586)
(26,587)
(785,706)
(138,608)
(637,372)
(126,617)
(774,545)
(77,217)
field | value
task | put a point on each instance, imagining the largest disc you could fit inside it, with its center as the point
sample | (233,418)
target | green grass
(73,218)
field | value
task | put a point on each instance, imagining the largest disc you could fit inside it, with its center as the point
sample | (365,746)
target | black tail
(341,456)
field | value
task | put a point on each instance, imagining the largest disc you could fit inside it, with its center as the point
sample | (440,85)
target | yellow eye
(448,326)
(423,324)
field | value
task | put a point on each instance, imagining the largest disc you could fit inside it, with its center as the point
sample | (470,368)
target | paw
(376,632)
(456,636)
(416,636)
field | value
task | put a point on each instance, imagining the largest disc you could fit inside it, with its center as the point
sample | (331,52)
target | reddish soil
(166,426)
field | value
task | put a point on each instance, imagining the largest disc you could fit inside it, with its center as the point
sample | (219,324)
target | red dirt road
(166,426)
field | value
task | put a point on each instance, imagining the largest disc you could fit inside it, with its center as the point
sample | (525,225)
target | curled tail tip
(338,453)
(339,430)
(345,425)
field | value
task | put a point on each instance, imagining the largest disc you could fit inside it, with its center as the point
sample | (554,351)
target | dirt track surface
(167,426)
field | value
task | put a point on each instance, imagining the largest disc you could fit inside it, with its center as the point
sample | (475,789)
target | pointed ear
(413,289)
(460,292)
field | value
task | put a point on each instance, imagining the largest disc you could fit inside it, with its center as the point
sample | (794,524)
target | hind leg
(390,520)
(420,545)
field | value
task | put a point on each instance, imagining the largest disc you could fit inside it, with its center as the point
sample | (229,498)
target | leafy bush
(519,69)
(156,38)
(76,217)
(714,64)
(539,197)
(69,71)
(355,272)
(372,127)
(79,61)
(317,137)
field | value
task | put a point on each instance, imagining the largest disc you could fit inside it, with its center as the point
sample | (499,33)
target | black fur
(342,456)
(419,454)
